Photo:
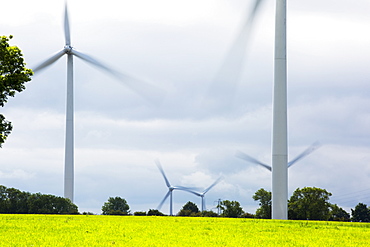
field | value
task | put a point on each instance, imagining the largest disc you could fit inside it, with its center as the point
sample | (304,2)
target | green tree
(88,213)
(39,204)
(3,199)
(13,76)
(264,198)
(309,203)
(231,209)
(361,213)
(338,214)
(189,209)
(155,212)
(248,215)
(116,206)
(14,201)
(17,201)
(140,213)
(49,204)
(64,205)
(210,213)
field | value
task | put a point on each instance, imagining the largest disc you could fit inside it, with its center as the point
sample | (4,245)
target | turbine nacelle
(68,49)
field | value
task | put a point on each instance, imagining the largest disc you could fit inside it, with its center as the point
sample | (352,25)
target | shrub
(140,213)
(155,212)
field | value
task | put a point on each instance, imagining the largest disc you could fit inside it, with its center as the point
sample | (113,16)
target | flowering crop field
(99,230)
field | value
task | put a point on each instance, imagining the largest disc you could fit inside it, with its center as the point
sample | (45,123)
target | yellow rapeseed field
(99,230)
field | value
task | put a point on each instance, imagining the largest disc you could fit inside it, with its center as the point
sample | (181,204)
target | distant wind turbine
(170,188)
(147,91)
(202,194)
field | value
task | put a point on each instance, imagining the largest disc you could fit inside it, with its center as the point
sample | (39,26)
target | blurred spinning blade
(163,174)
(223,87)
(250,159)
(145,90)
(306,152)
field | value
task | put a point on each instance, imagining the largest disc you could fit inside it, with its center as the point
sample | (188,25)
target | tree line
(14,201)
(308,203)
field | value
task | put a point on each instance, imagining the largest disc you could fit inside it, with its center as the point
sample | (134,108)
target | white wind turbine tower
(229,73)
(279,119)
(146,90)
(170,188)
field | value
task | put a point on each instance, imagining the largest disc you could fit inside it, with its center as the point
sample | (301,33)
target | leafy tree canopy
(155,212)
(14,201)
(209,214)
(264,198)
(361,213)
(189,209)
(338,214)
(309,203)
(13,76)
(116,206)
(231,209)
(140,213)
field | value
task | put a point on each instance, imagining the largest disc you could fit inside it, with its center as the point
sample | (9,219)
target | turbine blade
(67,33)
(187,189)
(184,188)
(248,158)
(49,61)
(306,152)
(193,192)
(163,174)
(255,9)
(224,85)
(212,185)
(94,62)
(146,90)
(164,199)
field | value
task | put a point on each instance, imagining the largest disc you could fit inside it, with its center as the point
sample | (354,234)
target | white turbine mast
(145,90)
(279,116)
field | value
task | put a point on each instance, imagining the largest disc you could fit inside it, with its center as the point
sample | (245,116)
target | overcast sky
(179,46)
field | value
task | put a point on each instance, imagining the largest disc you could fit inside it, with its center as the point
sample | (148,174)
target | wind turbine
(306,152)
(170,188)
(279,125)
(147,91)
(202,194)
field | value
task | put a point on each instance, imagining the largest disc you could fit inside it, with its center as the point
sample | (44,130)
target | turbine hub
(68,49)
